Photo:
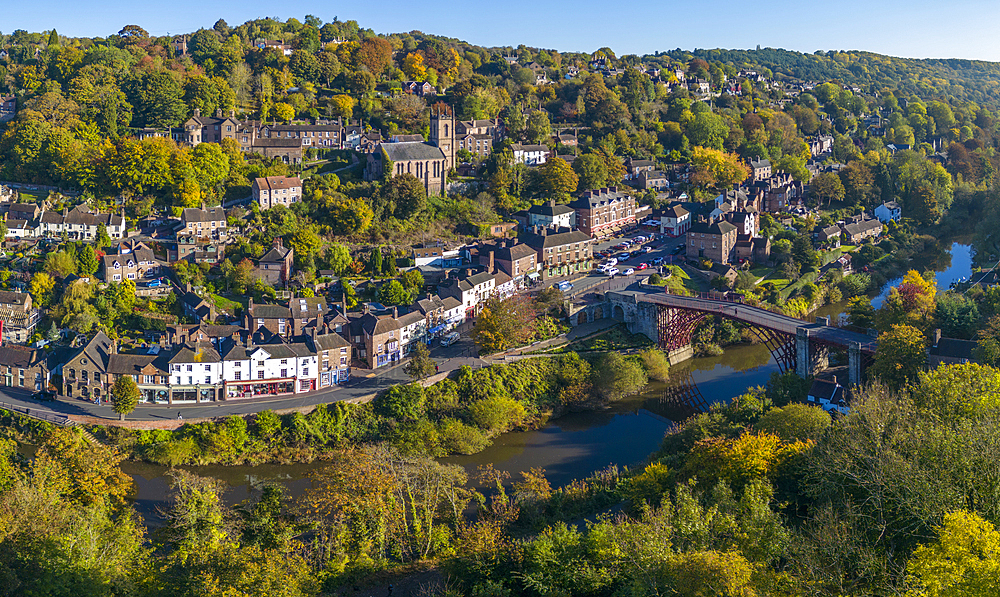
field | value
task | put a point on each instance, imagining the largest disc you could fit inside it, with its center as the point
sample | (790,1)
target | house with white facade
(675,220)
(195,373)
(276,190)
(530,155)
(550,214)
(888,212)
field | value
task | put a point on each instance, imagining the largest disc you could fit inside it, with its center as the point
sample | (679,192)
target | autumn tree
(717,168)
(827,186)
(504,323)
(557,180)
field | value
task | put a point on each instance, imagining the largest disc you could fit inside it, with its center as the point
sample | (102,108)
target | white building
(888,212)
(549,214)
(530,155)
(276,190)
(195,373)
(675,220)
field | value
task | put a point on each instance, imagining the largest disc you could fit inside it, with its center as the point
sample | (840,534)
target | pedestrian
(179,417)
(436,368)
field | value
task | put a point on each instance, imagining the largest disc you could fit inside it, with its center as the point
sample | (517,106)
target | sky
(911,28)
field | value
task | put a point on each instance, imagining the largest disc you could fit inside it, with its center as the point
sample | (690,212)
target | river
(576,444)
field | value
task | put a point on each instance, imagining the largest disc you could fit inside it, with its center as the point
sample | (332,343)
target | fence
(41,415)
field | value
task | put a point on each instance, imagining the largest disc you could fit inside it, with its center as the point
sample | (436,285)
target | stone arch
(598,312)
(619,313)
(581,317)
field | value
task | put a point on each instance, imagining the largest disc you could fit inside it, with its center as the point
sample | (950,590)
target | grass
(32,196)
(806,278)
(616,338)
(762,271)
(225,304)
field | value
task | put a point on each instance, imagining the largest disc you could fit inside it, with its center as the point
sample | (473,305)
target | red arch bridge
(796,345)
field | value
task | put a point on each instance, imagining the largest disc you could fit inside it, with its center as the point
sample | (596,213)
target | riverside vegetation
(757,497)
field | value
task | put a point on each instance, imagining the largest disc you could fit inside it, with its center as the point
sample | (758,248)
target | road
(364,383)
(584,282)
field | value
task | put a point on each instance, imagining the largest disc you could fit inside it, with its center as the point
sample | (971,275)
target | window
(207,367)
(237,376)
(305,371)
(177,380)
(284,372)
(260,375)
(147,379)
(190,380)
(284,361)
(208,379)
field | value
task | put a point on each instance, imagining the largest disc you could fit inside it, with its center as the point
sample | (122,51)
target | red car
(642,266)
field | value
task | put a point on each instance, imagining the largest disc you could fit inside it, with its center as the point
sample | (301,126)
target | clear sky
(912,28)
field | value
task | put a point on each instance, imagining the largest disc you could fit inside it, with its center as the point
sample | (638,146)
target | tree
(375,54)
(717,168)
(828,186)
(403,196)
(413,281)
(901,355)
(86,260)
(124,395)
(795,422)
(401,402)
(504,323)
(964,560)
(557,179)
(41,288)
(615,377)
(393,293)
(591,171)
(102,239)
(421,365)
(284,111)
(375,261)
(60,264)
(339,258)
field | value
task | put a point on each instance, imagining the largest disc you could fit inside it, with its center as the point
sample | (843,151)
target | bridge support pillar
(809,359)
(854,363)
(679,355)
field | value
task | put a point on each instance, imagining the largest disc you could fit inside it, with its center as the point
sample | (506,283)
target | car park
(624,257)
(629,271)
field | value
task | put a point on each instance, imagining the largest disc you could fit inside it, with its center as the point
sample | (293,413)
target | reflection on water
(952,265)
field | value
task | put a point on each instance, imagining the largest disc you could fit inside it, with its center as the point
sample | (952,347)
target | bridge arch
(618,313)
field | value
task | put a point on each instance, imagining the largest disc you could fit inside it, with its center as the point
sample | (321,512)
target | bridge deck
(784,324)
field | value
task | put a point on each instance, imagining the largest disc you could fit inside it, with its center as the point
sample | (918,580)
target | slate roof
(195,214)
(410,318)
(275,255)
(199,352)
(558,239)
(409,151)
(598,198)
(98,350)
(480,278)
(272,183)
(717,228)
(675,211)
(13,298)
(19,356)
(824,389)
(953,348)
(304,307)
(133,364)
(270,312)
(550,209)
(862,227)
(518,251)
(331,342)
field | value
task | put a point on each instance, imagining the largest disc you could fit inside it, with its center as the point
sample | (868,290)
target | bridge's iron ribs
(675,327)
(782,347)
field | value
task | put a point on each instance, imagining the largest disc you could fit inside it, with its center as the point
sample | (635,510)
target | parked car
(657,260)
(629,271)
(611,262)
(564,286)
(156,283)
(642,266)
(624,257)
(450,338)
(677,250)
(44,396)
(612,271)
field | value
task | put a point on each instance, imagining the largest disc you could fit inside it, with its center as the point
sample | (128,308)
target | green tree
(421,365)
(375,261)
(402,402)
(900,356)
(591,171)
(615,377)
(41,288)
(86,260)
(284,111)
(413,281)
(393,293)
(795,422)
(124,395)
(339,258)
(60,264)
(828,186)
(102,239)
(403,196)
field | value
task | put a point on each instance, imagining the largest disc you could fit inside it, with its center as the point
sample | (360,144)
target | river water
(576,444)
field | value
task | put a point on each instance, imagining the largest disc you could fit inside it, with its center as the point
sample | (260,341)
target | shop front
(241,389)
(193,394)
(154,394)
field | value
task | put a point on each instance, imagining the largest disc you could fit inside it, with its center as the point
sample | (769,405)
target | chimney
(492,265)
(937,336)
(552,202)
(395,312)
(218,112)
(277,242)
(197,112)
(232,113)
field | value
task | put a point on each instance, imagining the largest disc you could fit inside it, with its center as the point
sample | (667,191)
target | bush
(656,363)
(614,376)
(795,422)
(497,414)
(459,438)
(401,403)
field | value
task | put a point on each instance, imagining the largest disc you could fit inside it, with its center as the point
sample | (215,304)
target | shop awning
(533,276)
(436,329)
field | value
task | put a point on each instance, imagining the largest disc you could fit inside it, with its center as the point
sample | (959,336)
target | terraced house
(603,211)
(276,190)
(561,252)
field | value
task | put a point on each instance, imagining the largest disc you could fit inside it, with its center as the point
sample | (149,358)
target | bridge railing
(41,415)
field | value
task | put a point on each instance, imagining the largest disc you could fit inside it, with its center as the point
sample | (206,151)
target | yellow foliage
(740,460)
(963,562)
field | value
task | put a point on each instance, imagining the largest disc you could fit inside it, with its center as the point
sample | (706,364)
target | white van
(450,338)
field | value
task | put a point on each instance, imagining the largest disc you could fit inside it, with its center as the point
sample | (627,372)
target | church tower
(442,133)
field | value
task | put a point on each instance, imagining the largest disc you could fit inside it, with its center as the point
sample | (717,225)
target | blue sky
(915,28)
